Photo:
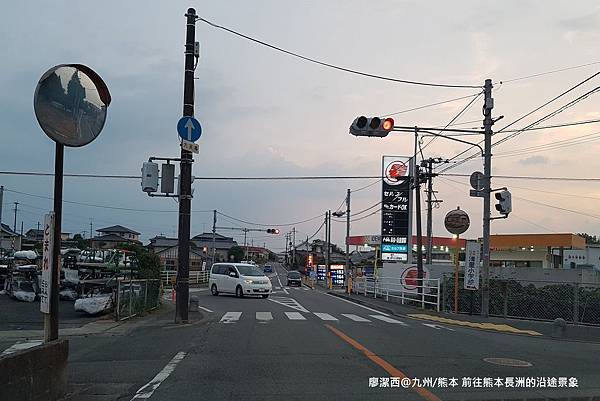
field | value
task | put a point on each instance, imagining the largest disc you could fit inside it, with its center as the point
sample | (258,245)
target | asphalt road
(304,344)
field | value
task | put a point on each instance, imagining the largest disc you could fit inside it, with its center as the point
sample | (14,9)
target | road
(305,344)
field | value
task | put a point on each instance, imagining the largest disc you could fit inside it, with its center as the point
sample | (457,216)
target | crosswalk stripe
(356,318)
(325,316)
(388,319)
(294,316)
(264,316)
(305,289)
(231,317)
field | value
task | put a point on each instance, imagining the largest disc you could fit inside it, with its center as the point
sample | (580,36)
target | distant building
(35,235)
(111,237)
(201,247)
(9,239)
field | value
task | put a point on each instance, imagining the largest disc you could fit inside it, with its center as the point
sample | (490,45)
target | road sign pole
(456,269)
(51,319)
(346,276)
(487,172)
(185,198)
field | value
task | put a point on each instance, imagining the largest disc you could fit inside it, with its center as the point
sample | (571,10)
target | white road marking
(147,390)
(204,309)
(264,316)
(359,305)
(325,316)
(277,288)
(290,303)
(281,285)
(356,318)
(231,317)
(437,326)
(305,289)
(294,316)
(21,345)
(388,319)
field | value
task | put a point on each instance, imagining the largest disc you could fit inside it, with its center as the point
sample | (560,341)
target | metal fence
(400,290)
(135,297)
(527,299)
(196,277)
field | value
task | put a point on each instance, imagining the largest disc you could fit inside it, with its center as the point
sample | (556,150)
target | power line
(324,64)
(519,119)
(366,186)
(532,223)
(551,146)
(549,72)
(271,225)
(429,105)
(521,177)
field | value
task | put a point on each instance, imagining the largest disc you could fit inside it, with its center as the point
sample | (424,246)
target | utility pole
(328,234)
(15,222)
(287,239)
(417,183)
(294,247)
(430,192)
(1,200)
(347,272)
(185,198)
(21,228)
(245,246)
(91,226)
(214,234)
(487,173)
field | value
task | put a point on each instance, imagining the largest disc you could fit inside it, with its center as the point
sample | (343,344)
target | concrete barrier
(35,374)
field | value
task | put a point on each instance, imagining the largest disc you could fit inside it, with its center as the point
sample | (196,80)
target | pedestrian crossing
(265,317)
(278,289)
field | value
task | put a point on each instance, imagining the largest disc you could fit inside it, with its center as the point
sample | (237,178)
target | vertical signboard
(395,209)
(46,281)
(472,257)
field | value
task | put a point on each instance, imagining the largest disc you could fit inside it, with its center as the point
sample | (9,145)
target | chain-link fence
(135,297)
(538,300)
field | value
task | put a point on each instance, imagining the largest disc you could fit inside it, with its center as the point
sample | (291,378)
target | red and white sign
(48,246)
(395,170)
(410,278)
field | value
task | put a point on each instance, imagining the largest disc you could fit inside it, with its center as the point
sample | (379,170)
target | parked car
(239,279)
(293,278)
(268,269)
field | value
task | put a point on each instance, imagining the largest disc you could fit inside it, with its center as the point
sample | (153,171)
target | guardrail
(196,277)
(407,291)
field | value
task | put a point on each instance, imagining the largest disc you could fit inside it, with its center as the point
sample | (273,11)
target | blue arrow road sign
(189,129)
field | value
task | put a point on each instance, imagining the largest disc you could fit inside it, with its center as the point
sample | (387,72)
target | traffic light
(149,177)
(374,126)
(504,205)
(272,231)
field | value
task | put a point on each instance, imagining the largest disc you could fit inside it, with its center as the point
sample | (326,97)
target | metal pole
(487,173)
(419,229)
(429,210)
(214,232)
(15,222)
(456,268)
(328,234)
(294,247)
(185,198)
(347,272)
(245,246)
(1,200)
(287,236)
(51,319)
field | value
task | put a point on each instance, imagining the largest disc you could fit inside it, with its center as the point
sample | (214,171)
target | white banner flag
(48,246)
(472,265)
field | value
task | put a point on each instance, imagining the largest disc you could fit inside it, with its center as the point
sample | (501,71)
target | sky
(265,113)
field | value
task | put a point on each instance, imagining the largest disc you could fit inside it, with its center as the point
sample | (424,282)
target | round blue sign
(189,129)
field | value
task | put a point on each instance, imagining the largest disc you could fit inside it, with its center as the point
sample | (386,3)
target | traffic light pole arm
(241,229)
(428,131)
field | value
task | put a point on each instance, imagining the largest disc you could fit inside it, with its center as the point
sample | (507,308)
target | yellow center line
(423,392)
(485,326)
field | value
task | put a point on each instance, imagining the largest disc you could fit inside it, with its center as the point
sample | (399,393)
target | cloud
(534,160)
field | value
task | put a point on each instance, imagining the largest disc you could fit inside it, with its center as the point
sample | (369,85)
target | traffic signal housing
(149,177)
(272,231)
(504,205)
(374,126)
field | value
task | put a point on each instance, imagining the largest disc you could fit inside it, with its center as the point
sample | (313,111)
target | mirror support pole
(51,319)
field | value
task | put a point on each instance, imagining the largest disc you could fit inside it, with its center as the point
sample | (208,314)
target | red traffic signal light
(272,231)
(388,124)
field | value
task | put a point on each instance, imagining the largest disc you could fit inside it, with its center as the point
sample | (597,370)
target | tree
(148,263)
(81,242)
(237,252)
(590,239)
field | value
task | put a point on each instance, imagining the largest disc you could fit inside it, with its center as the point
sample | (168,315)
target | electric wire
(271,225)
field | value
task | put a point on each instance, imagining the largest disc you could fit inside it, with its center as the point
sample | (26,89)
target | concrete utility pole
(417,183)
(294,247)
(487,174)
(328,234)
(430,192)
(245,246)
(15,222)
(347,270)
(185,194)
(1,200)
(287,239)
(214,234)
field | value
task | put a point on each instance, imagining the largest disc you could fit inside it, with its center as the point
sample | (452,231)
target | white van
(239,279)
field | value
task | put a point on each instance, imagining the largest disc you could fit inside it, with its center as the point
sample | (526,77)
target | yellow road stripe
(486,326)
(423,392)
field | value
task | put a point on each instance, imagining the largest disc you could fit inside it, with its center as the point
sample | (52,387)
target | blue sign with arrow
(189,129)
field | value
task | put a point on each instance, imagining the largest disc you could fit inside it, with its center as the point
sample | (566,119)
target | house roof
(34,231)
(111,238)
(162,241)
(209,236)
(117,229)
(6,229)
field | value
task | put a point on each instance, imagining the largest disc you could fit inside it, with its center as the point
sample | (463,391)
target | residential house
(110,237)
(201,247)
(9,239)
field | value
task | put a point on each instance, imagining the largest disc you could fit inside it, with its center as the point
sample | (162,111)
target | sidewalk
(511,326)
